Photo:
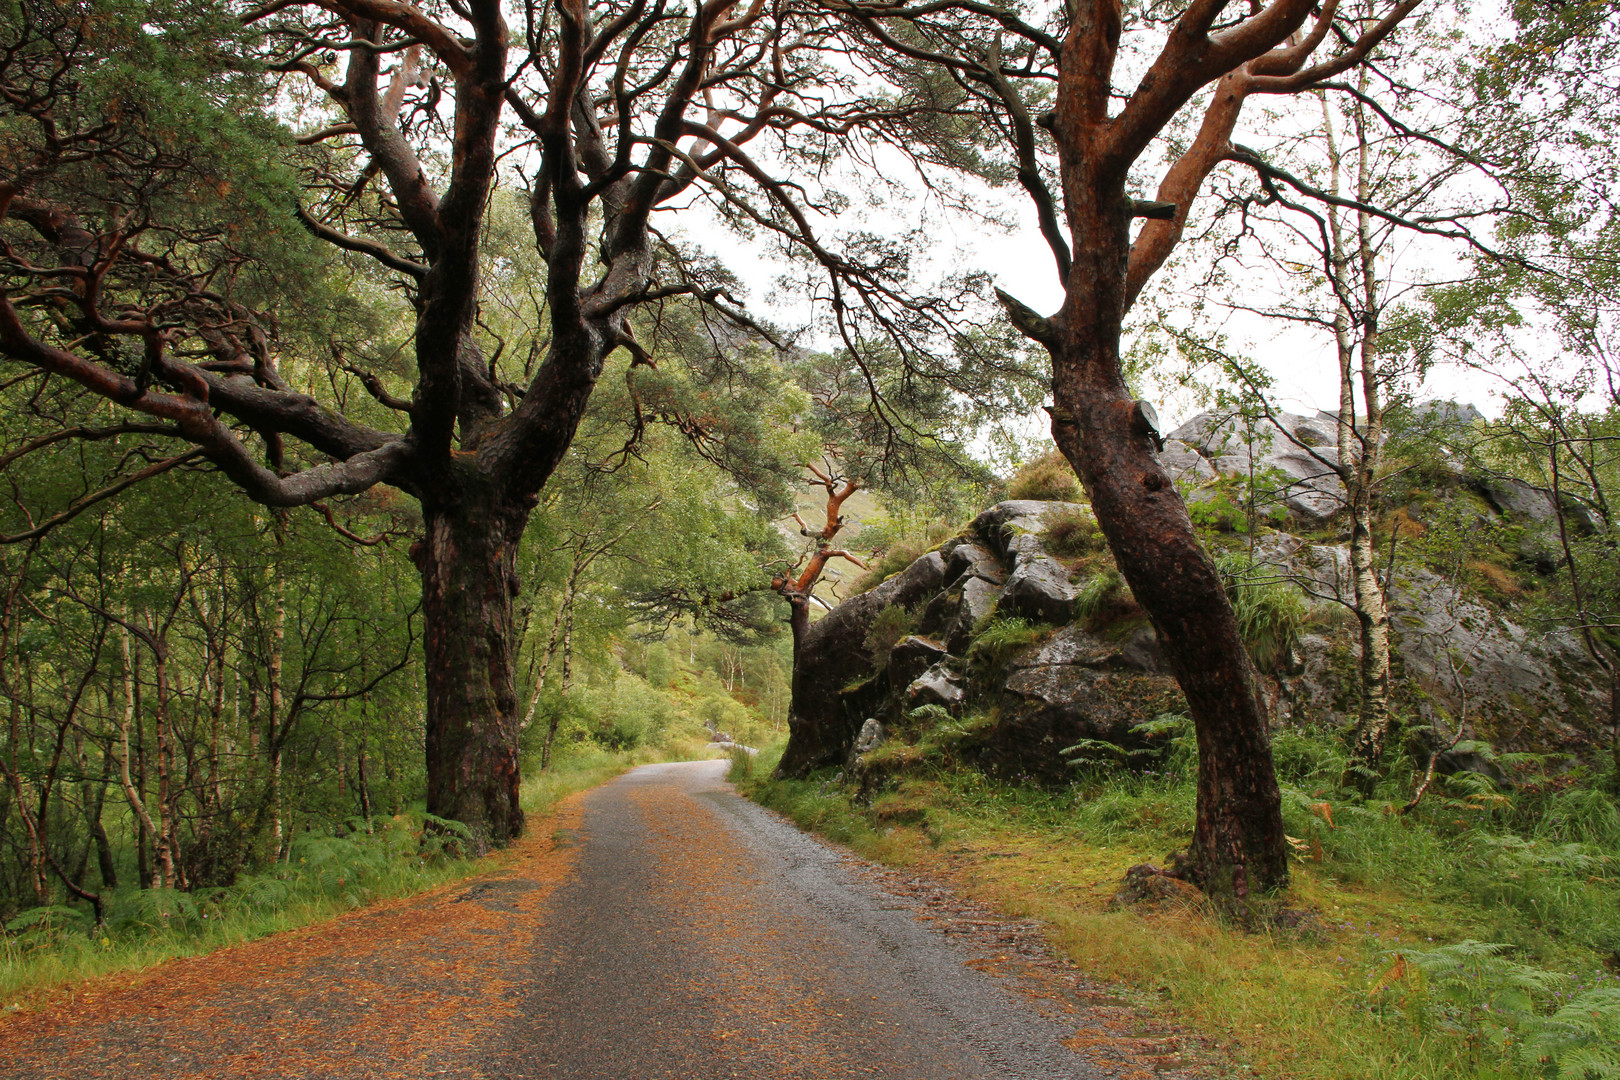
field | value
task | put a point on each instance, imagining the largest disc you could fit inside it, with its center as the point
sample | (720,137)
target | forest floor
(656,926)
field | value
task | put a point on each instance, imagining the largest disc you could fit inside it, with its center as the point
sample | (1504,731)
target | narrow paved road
(659,926)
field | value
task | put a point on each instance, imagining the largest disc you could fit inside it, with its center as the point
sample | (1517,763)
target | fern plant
(1532,1017)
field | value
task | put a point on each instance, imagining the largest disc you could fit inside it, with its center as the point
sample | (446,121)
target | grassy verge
(53,948)
(1371,966)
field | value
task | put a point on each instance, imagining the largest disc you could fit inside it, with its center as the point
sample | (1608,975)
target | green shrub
(658,665)
(998,642)
(1306,761)
(896,543)
(1218,510)
(325,874)
(728,714)
(1170,743)
(1270,614)
(1549,1023)
(742,764)
(889,626)
(1098,595)
(572,716)
(1073,534)
(1583,816)
(1049,478)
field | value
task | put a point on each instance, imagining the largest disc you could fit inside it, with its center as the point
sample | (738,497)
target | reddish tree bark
(798,588)
(1077,185)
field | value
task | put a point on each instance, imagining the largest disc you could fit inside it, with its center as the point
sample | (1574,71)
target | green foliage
(1541,868)
(1100,757)
(323,873)
(1218,509)
(924,717)
(941,742)
(998,641)
(1307,761)
(1549,1023)
(659,668)
(1073,534)
(726,714)
(1270,614)
(817,803)
(899,541)
(987,377)
(1049,478)
(742,764)
(1100,596)
(46,922)
(1581,815)
(889,626)
(1168,748)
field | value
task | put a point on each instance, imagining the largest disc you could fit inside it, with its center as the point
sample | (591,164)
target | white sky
(1302,365)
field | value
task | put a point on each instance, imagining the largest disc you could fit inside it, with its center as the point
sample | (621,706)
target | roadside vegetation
(1477,936)
(344,824)
(354,865)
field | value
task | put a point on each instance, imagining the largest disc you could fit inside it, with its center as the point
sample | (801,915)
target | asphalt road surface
(658,926)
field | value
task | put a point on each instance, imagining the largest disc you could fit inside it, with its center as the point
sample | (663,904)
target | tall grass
(1270,614)
(998,641)
(1049,477)
(1072,534)
(325,876)
(1104,599)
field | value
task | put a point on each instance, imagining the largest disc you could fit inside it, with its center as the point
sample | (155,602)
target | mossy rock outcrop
(1042,648)
(1058,689)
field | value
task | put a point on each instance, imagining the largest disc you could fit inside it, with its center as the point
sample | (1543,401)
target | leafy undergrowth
(1476,937)
(46,949)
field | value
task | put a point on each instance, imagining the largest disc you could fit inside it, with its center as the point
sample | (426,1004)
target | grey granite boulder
(1015,517)
(1312,489)
(1184,464)
(870,737)
(911,657)
(1465,657)
(973,559)
(1141,652)
(1302,449)
(1074,686)
(978,600)
(940,685)
(1038,590)
(1515,498)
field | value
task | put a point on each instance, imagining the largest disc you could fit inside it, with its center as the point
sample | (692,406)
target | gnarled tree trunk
(1238,843)
(467,560)
(807,742)
(811,743)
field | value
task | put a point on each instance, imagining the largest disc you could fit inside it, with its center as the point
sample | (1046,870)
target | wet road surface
(658,926)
